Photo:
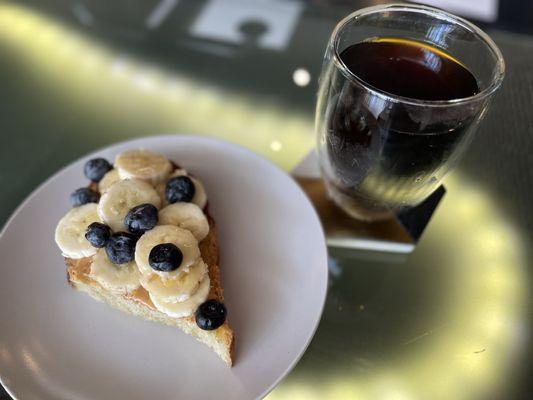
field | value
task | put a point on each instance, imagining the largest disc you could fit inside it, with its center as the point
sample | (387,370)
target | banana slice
(116,278)
(109,178)
(70,231)
(121,197)
(200,197)
(182,238)
(184,308)
(187,216)
(143,164)
(178,289)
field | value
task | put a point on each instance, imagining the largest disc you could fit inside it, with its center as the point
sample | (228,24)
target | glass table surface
(452,320)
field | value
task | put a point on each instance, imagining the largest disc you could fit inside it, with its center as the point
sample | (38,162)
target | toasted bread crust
(138,302)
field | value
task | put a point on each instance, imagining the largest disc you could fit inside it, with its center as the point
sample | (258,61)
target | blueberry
(141,218)
(165,257)
(120,247)
(83,196)
(98,234)
(96,168)
(210,315)
(180,188)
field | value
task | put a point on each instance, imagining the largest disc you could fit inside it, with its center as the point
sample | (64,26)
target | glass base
(397,234)
(356,206)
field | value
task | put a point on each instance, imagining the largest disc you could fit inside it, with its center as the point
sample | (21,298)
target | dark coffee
(387,157)
(410,69)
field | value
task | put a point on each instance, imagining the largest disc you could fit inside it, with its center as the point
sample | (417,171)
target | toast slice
(139,304)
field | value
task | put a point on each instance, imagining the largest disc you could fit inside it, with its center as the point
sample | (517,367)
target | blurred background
(451,321)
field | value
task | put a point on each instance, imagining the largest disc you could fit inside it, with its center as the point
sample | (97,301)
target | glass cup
(380,152)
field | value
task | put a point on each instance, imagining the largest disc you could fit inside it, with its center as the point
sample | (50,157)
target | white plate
(57,343)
